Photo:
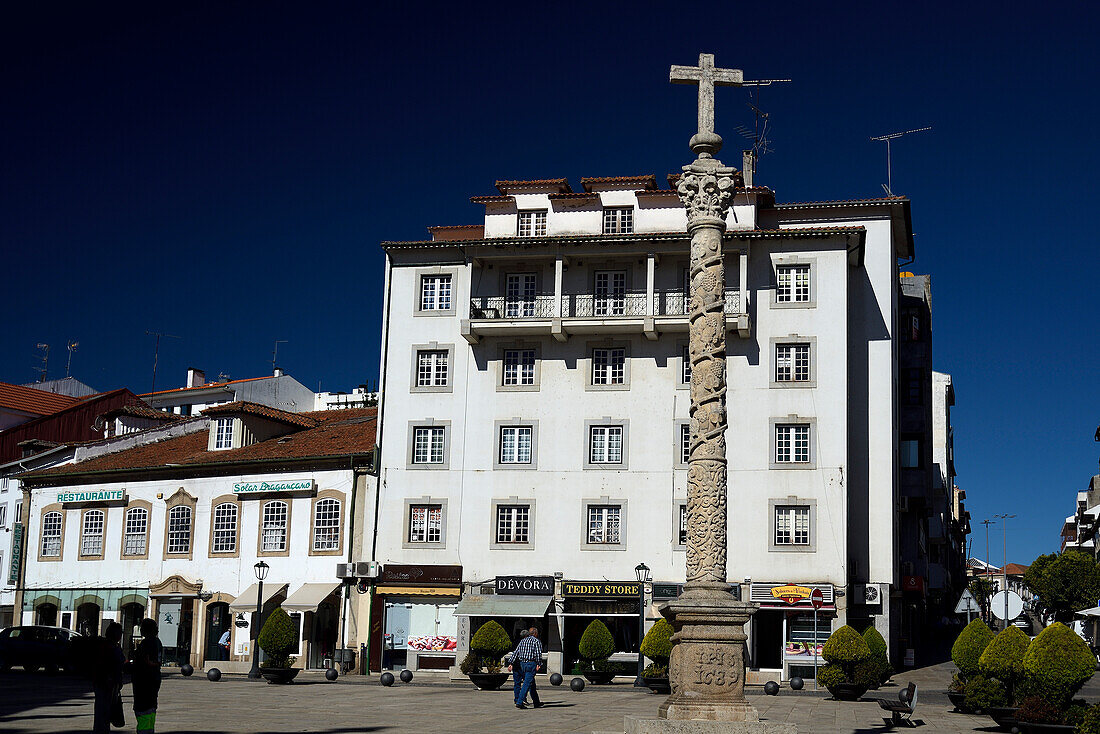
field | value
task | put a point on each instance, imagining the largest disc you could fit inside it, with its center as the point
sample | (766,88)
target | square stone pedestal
(638,725)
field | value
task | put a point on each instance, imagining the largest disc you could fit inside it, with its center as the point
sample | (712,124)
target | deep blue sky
(225,171)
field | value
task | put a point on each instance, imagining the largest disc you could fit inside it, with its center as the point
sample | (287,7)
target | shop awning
(307,597)
(246,600)
(502,606)
(1091,612)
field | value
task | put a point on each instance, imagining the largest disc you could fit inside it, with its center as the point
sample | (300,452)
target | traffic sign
(1006,605)
(967,603)
(817,599)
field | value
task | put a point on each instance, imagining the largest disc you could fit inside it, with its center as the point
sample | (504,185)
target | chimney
(195,377)
(278,372)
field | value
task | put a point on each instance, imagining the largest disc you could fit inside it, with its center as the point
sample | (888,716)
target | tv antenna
(71,346)
(156,353)
(45,360)
(889,185)
(275,354)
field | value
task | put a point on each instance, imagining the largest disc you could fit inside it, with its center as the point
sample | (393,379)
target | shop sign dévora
(599,589)
(530,585)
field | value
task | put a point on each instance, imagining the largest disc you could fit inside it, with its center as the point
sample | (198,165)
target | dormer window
(618,220)
(223,433)
(532,223)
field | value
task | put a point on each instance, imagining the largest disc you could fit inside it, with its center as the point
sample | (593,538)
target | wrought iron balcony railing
(588,305)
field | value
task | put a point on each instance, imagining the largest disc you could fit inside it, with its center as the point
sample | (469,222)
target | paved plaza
(39,703)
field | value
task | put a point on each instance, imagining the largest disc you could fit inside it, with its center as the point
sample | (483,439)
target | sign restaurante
(103,495)
(291,485)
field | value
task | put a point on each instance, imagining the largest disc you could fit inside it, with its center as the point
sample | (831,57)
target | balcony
(647,312)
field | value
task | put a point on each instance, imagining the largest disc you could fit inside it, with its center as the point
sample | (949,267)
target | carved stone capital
(706,188)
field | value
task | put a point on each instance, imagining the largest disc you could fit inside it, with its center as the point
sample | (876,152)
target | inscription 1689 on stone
(717,668)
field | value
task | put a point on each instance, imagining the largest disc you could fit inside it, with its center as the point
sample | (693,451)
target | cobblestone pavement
(40,703)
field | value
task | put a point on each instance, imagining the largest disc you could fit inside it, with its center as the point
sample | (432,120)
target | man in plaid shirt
(526,659)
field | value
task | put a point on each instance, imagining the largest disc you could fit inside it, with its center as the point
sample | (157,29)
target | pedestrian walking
(145,677)
(525,662)
(223,643)
(107,681)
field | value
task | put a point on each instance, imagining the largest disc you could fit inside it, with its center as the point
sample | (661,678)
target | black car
(36,648)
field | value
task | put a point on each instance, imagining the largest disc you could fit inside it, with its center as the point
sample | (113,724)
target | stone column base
(639,725)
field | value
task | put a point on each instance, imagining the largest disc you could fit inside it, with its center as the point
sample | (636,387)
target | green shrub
(957,684)
(1057,664)
(830,675)
(491,640)
(596,642)
(983,693)
(1090,722)
(470,664)
(657,644)
(1003,658)
(277,639)
(879,658)
(653,670)
(1037,710)
(845,647)
(1075,714)
(969,646)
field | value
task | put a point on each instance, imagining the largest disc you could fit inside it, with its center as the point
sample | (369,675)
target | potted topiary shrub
(983,693)
(845,674)
(1056,665)
(657,646)
(595,648)
(968,648)
(1040,716)
(1003,659)
(277,640)
(488,645)
(879,662)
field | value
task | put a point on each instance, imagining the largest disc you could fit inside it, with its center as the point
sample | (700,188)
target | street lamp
(261,570)
(641,571)
(1004,560)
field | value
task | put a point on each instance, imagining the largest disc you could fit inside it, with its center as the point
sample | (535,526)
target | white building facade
(535,402)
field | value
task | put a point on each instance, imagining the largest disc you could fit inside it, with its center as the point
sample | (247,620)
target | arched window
(225,528)
(274,528)
(326,525)
(51,535)
(179,529)
(134,539)
(91,533)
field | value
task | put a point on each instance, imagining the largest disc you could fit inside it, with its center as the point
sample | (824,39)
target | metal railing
(588,305)
(596,306)
(512,307)
(676,303)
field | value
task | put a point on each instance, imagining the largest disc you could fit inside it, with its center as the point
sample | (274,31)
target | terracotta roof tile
(491,199)
(842,202)
(142,411)
(335,433)
(36,402)
(446,233)
(561,184)
(207,386)
(575,195)
(647,180)
(264,411)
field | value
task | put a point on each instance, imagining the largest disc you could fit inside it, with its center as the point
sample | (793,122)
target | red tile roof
(561,184)
(457,232)
(574,195)
(491,199)
(35,402)
(141,411)
(647,180)
(264,411)
(335,433)
(207,386)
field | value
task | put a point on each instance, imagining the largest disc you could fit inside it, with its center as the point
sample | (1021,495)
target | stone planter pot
(1029,728)
(1003,716)
(279,675)
(658,685)
(599,677)
(488,681)
(958,700)
(847,691)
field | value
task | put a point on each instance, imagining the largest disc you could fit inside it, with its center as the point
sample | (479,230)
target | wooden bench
(900,709)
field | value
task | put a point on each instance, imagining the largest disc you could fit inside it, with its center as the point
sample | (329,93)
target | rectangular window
(51,535)
(179,529)
(513,523)
(519,301)
(435,292)
(428,444)
(91,537)
(682,531)
(610,292)
(225,528)
(685,366)
(431,368)
(273,537)
(910,454)
(618,220)
(792,362)
(515,444)
(3,485)
(609,366)
(223,436)
(3,514)
(326,525)
(604,524)
(519,367)
(425,523)
(685,443)
(605,445)
(792,525)
(792,443)
(135,532)
(532,223)
(792,284)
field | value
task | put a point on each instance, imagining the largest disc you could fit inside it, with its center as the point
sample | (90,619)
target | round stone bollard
(332,674)
(406,675)
(797,683)
(577,684)
(187,670)
(214,675)
(386,679)
(555,679)
(771,688)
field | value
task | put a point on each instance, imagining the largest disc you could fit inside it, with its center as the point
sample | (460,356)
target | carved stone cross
(707,76)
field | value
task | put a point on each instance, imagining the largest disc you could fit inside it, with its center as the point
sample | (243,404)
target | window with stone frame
(519,367)
(605,445)
(792,362)
(435,292)
(792,283)
(604,524)
(135,536)
(609,366)
(515,444)
(685,366)
(431,367)
(513,523)
(225,528)
(682,528)
(51,535)
(274,531)
(425,523)
(532,223)
(326,525)
(91,533)
(179,529)
(792,525)
(618,220)
(685,443)
(792,443)
(429,444)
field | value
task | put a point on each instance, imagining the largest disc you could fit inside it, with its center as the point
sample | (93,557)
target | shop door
(396,640)
(217,624)
(323,637)
(46,614)
(132,615)
(87,619)
(767,639)
(174,620)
